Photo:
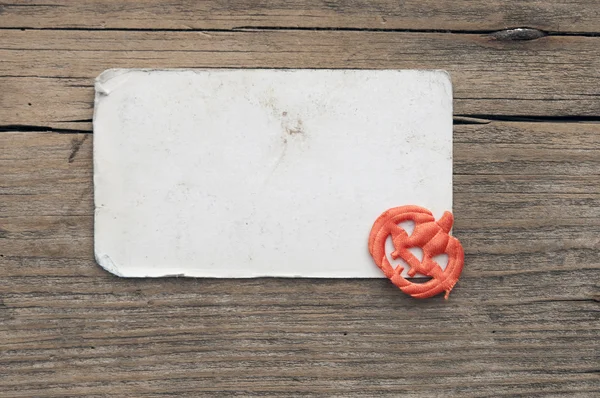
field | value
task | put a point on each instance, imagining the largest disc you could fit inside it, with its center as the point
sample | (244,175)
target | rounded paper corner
(104,261)
(110,80)
(445,78)
(446,74)
(109,74)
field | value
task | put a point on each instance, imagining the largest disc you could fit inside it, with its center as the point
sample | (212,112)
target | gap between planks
(410,15)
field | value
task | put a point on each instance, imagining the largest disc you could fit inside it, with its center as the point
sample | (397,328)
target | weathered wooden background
(524,318)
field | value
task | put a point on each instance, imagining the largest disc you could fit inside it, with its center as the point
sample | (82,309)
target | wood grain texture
(580,16)
(523,320)
(48,75)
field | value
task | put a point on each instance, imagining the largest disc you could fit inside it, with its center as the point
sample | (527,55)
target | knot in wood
(518,34)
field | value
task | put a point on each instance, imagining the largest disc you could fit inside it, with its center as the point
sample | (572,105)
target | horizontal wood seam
(491,32)
(458,120)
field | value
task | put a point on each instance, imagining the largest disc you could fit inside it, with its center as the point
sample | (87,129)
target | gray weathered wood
(522,321)
(581,16)
(47,76)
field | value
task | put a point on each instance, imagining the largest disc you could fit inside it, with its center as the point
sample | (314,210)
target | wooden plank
(523,319)
(290,346)
(52,102)
(552,15)
(54,70)
(520,163)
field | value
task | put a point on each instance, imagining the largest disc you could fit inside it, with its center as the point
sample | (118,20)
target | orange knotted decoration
(429,235)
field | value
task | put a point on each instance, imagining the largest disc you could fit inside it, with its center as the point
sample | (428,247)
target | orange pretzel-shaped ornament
(431,236)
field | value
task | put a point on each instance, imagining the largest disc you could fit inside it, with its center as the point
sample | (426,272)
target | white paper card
(262,172)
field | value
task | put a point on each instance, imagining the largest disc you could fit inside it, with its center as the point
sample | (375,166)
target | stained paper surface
(249,173)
